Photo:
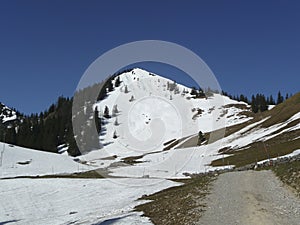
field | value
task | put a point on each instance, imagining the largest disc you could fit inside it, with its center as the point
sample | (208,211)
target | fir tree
(117,82)
(126,89)
(106,112)
(287,96)
(110,86)
(271,101)
(254,106)
(116,123)
(115,110)
(115,135)
(263,104)
(279,98)
(97,120)
(201,138)
(194,91)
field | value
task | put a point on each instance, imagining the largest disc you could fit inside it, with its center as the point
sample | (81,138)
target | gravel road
(251,197)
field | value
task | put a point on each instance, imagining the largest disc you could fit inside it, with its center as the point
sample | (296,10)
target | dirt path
(251,197)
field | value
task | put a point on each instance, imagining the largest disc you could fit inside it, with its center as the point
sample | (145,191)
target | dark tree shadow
(8,221)
(110,221)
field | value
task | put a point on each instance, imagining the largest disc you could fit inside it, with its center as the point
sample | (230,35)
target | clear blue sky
(45,46)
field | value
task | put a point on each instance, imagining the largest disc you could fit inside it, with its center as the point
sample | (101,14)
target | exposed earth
(251,197)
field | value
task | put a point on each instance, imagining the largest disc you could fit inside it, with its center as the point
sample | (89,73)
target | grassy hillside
(280,145)
(283,111)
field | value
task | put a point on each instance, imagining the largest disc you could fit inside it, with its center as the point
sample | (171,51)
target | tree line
(259,102)
(54,126)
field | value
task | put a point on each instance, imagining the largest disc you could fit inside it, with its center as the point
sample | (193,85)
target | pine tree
(263,104)
(279,98)
(126,89)
(110,86)
(115,110)
(201,138)
(106,113)
(201,93)
(254,105)
(115,135)
(271,101)
(117,82)
(116,123)
(243,98)
(194,91)
(287,96)
(97,120)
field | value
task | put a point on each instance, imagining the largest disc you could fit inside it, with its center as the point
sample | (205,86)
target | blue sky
(45,46)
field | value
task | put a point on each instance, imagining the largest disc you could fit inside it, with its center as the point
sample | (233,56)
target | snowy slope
(150,114)
(64,200)
(18,161)
(152,110)
(75,201)
(176,162)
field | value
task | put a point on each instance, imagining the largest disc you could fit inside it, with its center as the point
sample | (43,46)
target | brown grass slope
(280,145)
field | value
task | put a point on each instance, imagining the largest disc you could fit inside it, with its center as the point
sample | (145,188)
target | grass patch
(289,173)
(110,157)
(132,159)
(169,142)
(176,142)
(278,146)
(92,174)
(180,205)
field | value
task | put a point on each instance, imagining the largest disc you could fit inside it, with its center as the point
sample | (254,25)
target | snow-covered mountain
(147,113)
(149,107)
(152,127)
(7,114)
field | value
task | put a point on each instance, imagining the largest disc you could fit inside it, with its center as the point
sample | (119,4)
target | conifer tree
(254,106)
(126,89)
(110,86)
(106,112)
(194,91)
(115,110)
(115,135)
(97,120)
(279,98)
(271,101)
(287,96)
(116,123)
(117,82)
(263,104)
